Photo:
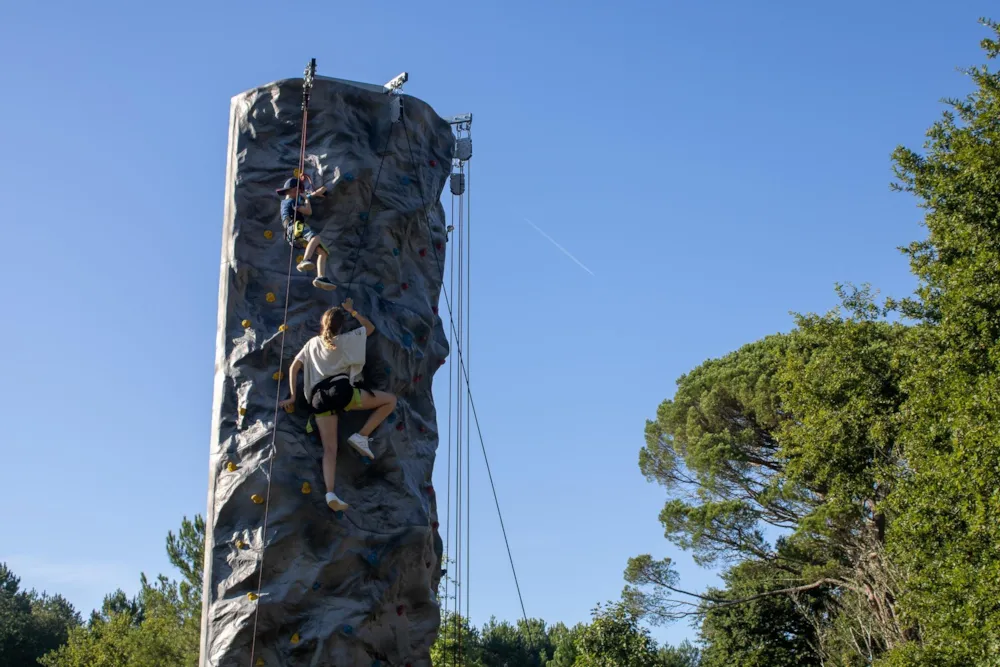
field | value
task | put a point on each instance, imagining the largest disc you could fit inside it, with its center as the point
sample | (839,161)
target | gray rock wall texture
(356,588)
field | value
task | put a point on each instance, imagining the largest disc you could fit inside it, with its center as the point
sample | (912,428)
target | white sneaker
(335,503)
(360,443)
(305,265)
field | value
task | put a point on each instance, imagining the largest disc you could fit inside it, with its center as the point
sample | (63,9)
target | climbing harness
(307,84)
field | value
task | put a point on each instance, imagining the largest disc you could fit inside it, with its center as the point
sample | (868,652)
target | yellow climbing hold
(306,488)
(260,662)
(277,375)
(295,638)
(231,467)
(283,328)
(243,411)
(246,324)
(252,596)
(297,173)
(257,499)
(298,260)
(268,234)
(240,544)
(270,297)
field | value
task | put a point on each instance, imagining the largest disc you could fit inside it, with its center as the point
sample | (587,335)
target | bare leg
(320,260)
(328,434)
(311,247)
(383,403)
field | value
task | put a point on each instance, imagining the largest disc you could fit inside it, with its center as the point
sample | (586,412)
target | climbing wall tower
(314,587)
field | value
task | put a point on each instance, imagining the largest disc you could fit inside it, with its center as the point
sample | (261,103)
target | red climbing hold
(430,490)
(423,252)
(405,285)
(438,245)
(399,426)
(399,610)
(417,378)
(435,525)
(421,429)
(434,163)
(435,309)
(441,363)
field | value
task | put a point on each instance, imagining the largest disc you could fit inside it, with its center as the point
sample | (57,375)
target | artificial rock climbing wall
(356,588)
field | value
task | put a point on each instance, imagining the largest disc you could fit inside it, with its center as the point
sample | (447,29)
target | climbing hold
(339,514)
(388,370)
(295,638)
(240,544)
(395,252)
(405,286)
(407,340)
(348,177)
(298,259)
(290,408)
(422,429)
(252,596)
(430,490)
(423,252)
(260,662)
(435,309)
(417,378)
(379,287)
(399,610)
(268,234)
(297,173)
(243,411)
(317,586)
(423,339)
(435,525)
(405,180)
(372,557)
(399,426)
(269,297)
(433,163)
(283,328)
(231,467)
(439,245)
(306,488)
(348,630)
(364,216)
(457,183)
(257,499)
(441,362)
(246,324)
(277,375)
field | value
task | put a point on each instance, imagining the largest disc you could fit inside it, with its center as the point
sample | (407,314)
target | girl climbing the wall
(332,362)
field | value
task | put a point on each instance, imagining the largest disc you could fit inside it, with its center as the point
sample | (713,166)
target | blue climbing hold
(379,287)
(407,340)
(367,461)
(395,252)
(372,557)
(391,418)
(339,514)
(419,354)
(348,177)
(388,370)
(363,216)
(316,586)
(405,180)
(348,630)
(376,663)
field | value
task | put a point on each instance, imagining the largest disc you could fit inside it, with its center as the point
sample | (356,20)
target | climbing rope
(307,83)
(464,375)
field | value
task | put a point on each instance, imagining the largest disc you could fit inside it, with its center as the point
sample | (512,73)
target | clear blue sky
(716,165)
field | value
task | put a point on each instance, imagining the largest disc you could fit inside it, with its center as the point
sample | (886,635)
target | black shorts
(334,395)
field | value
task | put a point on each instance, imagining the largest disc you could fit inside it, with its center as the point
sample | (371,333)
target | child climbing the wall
(299,234)
(332,363)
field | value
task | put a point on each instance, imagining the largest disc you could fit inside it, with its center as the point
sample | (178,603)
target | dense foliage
(847,473)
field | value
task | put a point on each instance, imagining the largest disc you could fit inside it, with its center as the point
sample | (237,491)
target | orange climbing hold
(270,297)
(306,488)
(290,408)
(257,499)
(268,234)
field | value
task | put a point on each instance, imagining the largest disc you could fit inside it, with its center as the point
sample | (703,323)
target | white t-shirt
(346,358)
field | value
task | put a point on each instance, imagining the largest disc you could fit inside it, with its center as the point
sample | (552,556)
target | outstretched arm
(348,305)
(293,380)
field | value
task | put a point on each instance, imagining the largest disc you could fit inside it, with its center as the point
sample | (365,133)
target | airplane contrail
(556,244)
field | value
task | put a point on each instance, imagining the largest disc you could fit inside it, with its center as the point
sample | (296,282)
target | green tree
(946,534)
(31,623)
(457,643)
(515,645)
(159,626)
(614,638)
